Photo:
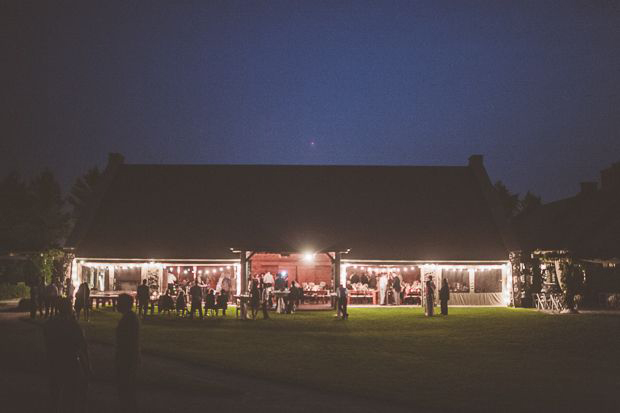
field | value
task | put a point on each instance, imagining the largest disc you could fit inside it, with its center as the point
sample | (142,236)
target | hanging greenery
(570,279)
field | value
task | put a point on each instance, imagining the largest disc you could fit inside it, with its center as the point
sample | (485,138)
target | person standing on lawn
(383,284)
(342,302)
(396,289)
(264,291)
(444,296)
(51,297)
(143,295)
(68,362)
(195,294)
(430,297)
(255,298)
(82,301)
(127,354)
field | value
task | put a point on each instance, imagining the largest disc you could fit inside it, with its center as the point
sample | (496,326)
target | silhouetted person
(165,304)
(210,303)
(51,296)
(195,294)
(222,303)
(181,303)
(396,289)
(82,301)
(127,354)
(444,296)
(342,302)
(372,282)
(68,363)
(255,298)
(143,295)
(264,292)
(430,297)
(293,298)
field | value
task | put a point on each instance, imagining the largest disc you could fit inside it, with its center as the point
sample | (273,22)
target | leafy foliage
(509,201)
(32,215)
(512,204)
(83,190)
(529,203)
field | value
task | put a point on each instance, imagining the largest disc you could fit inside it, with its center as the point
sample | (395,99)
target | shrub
(19,290)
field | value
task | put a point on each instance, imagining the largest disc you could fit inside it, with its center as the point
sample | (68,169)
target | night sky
(532,85)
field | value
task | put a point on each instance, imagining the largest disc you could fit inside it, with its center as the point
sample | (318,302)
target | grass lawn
(476,359)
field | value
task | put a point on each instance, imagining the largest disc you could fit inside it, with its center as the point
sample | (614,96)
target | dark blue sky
(534,86)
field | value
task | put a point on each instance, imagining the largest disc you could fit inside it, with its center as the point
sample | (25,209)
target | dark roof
(379,212)
(587,225)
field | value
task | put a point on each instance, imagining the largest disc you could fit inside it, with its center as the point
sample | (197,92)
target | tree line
(34,213)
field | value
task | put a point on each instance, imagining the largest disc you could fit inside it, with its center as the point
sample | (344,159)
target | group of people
(212,301)
(45,299)
(68,362)
(444,297)
(267,292)
(392,289)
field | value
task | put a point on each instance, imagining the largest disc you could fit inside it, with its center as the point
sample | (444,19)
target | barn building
(317,225)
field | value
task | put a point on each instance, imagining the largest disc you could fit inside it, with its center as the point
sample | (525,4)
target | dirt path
(166,385)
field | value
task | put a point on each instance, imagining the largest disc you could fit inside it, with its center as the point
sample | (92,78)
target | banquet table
(102,299)
(316,296)
(280,296)
(362,294)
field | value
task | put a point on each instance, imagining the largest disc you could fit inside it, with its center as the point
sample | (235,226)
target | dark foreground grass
(477,359)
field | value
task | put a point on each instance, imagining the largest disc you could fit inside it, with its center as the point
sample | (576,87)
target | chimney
(588,188)
(476,160)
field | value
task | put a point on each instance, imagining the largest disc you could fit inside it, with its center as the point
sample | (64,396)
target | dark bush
(19,290)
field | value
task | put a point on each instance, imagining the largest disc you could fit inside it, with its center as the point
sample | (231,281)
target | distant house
(316,225)
(584,228)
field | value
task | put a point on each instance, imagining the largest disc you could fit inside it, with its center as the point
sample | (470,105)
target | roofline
(265,165)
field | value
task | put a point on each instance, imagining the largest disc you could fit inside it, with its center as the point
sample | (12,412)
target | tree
(83,190)
(509,201)
(32,215)
(49,219)
(529,203)
(14,205)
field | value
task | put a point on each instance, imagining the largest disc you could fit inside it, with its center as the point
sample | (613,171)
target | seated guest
(210,308)
(181,303)
(364,279)
(355,278)
(165,303)
(222,303)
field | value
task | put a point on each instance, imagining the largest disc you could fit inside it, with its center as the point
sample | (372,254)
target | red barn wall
(298,269)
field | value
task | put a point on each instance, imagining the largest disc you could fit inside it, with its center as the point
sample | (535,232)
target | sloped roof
(379,212)
(586,224)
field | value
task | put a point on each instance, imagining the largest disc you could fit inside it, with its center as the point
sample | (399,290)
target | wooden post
(336,270)
(243,273)
(336,280)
